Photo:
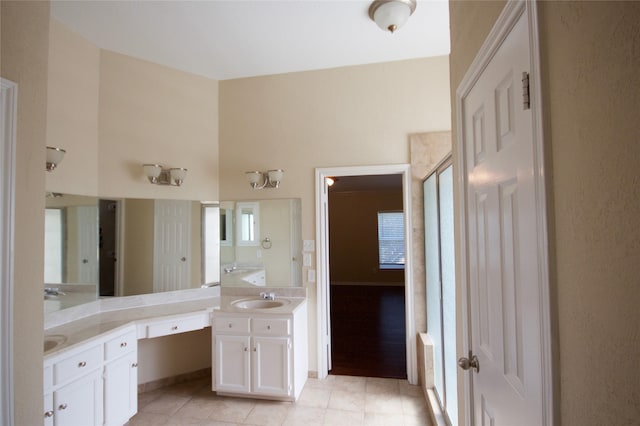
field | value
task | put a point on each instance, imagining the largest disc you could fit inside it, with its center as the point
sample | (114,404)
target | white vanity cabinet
(261,354)
(74,387)
(94,383)
(121,379)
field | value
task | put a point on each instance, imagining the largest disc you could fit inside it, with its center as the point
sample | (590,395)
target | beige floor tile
(345,400)
(410,390)
(415,406)
(410,420)
(382,403)
(165,404)
(233,410)
(380,419)
(314,397)
(349,383)
(343,418)
(198,408)
(148,419)
(265,414)
(385,386)
(188,421)
(326,383)
(304,416)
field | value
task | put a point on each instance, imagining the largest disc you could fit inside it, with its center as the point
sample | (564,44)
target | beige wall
(153,114)
(25,34)
(590,58)
(72,110)
(359,115)
(353,236)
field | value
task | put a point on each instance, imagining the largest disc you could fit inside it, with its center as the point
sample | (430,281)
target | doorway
(324,337)
(107,246)
(366,276)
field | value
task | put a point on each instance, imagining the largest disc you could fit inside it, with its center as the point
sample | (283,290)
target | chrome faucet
(268,296)
(53,292)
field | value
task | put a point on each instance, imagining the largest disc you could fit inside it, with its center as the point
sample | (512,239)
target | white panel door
(232,364)
(503,260)
(87,242)
(172,230)
(80,403)
(272,366)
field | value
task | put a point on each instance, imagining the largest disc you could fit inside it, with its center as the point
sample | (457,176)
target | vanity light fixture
(391,15)
(268,179)
(160,176)
(54,157)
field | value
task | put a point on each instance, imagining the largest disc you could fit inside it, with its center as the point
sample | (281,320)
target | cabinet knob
(230,325)
(245,349)
(268,327)
(134,365)
(123,344)
(82,364)
(255,349)
(49,413)
(174,328)
(62,407)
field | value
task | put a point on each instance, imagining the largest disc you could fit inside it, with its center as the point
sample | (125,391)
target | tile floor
(337,400)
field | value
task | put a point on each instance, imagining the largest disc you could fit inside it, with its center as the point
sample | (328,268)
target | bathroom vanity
(260,347)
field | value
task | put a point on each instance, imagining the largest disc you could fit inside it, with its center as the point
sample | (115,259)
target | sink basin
(259,303)
(53,340)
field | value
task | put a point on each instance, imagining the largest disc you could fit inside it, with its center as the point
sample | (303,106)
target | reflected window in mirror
(248,224)
(213,225)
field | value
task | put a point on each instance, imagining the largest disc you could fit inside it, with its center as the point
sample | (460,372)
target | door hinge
(526,103)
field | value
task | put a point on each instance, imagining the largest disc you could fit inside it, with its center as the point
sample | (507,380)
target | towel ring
(266,243)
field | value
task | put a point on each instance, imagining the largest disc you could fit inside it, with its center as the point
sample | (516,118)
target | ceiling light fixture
(158,175)
(391,15)
(54,157)
(268,179)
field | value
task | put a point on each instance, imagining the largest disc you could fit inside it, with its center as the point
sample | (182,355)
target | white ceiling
(225,39)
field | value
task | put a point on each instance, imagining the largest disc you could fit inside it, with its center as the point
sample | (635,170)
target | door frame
(322,262)
(512,11)
(9,110)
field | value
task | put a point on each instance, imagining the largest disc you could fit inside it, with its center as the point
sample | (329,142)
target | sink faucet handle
(268,296)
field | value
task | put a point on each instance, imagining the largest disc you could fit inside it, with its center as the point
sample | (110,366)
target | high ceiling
(226,39)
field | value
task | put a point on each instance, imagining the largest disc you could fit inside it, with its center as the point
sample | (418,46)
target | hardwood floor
(368,331)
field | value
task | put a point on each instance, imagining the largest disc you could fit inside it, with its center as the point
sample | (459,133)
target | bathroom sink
(53,340)
(259,303)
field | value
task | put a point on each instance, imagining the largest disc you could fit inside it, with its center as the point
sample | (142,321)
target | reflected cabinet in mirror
(121,247)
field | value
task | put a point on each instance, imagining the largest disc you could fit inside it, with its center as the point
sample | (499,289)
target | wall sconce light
(160,176)
(391,15)
(54,157)
(268,179)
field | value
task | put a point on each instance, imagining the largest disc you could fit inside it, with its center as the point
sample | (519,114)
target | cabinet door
(48,409)
(80,402)
(271,366)
(121,390)
(232,363)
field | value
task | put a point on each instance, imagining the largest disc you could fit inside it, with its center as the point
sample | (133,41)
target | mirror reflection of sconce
(54,157)
(268,179)
(158,175)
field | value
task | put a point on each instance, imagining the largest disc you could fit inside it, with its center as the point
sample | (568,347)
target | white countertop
(84,324)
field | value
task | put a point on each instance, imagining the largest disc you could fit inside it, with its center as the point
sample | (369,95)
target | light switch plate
(311,275)
(306,259)
(308,245)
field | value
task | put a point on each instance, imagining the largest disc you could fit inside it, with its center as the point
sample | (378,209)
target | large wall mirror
(121,247)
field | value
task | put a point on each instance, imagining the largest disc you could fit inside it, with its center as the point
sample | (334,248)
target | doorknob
(466,363)
(184,259)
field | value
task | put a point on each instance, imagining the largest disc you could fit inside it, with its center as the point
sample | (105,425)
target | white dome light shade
(152,171)
(54,157)
(391,15)
(177,175)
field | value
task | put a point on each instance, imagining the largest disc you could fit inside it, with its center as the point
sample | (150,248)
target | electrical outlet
(306,259)
(311,275)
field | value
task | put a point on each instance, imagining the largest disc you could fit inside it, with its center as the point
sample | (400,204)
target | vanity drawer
(77,365)
(231,324)
(181,325)
(271,327)
(120,345)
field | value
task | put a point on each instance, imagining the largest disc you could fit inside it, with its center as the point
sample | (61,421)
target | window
(391,240)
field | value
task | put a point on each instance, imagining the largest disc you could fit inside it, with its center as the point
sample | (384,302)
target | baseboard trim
(173,380)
